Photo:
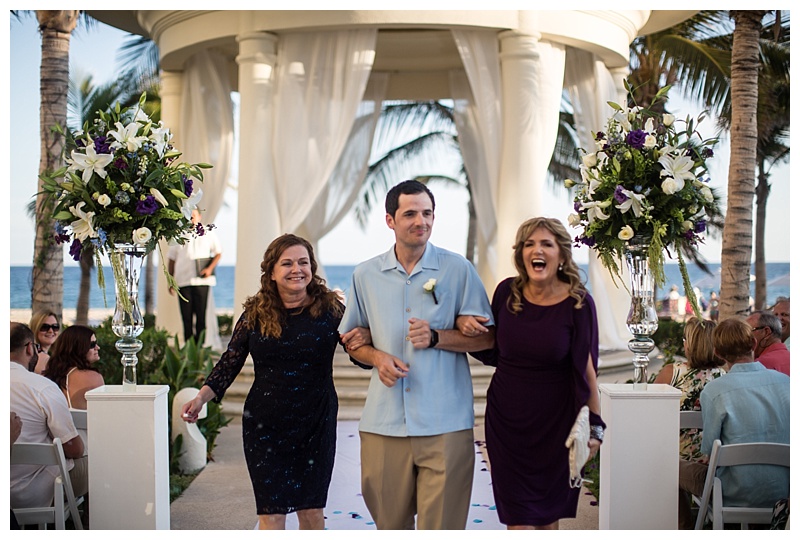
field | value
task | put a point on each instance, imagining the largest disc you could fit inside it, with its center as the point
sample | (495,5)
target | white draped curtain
(478,115)
(206,130)
(340,191)
(591,86)
(320,81)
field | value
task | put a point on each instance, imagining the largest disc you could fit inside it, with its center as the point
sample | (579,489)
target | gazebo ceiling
(415,47)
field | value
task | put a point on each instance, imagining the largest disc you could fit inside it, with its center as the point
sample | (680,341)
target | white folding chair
(730,455)
(79,418)
(48,454)
(691,419)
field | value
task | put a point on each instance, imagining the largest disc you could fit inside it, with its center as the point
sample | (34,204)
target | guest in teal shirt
(417,445)
(749,404)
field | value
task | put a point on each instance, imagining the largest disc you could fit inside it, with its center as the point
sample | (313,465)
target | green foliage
(669,338)
(591,474)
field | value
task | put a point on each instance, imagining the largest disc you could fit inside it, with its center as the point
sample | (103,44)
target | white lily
(590,160)
(187,205)
(680,167)
(635,202)
(160,135)
(159,197)
(707,194)
(594,210)
(141,117)
(82,227)
(648,126)
(126,136)
(90,162)
(574,220)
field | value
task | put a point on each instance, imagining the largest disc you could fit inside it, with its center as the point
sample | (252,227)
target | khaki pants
(427,476)
(691,479)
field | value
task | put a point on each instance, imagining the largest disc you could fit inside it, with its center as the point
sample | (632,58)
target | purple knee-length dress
(534,396)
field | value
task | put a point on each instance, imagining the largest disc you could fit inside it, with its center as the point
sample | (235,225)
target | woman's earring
(560,267)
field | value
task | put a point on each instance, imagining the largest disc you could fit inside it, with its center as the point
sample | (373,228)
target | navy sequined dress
(289,419)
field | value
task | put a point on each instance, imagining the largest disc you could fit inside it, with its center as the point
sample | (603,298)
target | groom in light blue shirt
(417,445)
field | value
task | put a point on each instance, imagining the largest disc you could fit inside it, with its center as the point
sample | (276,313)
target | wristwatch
(596,432)
(434,339)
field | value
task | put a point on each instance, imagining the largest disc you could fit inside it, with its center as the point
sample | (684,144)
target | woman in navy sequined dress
(289,421)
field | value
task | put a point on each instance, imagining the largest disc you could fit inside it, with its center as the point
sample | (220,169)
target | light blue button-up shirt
(436,396)
(749,404)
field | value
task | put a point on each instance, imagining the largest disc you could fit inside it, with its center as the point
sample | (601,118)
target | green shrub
(225,323)
(154,345)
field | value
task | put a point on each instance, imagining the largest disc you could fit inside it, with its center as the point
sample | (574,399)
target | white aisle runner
(346,509)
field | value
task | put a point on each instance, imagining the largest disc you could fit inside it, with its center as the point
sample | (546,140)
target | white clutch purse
(578,444)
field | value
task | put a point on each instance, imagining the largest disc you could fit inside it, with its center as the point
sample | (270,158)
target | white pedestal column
(639,457)
(168,315)
(129,460)
(259,220)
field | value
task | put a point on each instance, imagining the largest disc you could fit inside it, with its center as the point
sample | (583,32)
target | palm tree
(773,132)
(48,258)
(737,234)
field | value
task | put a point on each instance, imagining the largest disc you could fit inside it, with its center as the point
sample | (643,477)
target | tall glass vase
(128,323)
(642,318)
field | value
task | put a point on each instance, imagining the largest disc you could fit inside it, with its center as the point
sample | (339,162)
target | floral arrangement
(123,185)
(646,177)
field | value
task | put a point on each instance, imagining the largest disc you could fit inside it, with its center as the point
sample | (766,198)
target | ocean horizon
(339,276)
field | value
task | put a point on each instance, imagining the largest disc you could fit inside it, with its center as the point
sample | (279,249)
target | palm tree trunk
(48,258)
(472,230)
(762,192)
(149,285)
(737,235)
(82,307)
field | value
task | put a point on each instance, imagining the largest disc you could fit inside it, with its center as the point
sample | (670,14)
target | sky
(93,51)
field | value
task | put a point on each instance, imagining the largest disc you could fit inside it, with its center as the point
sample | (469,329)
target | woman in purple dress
(546,357)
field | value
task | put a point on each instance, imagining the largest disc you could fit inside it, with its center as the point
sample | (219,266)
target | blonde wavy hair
(568,273)
(264,310)
(699,345)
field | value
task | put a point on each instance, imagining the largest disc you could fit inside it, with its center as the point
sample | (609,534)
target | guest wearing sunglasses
(45,328)
(71,365)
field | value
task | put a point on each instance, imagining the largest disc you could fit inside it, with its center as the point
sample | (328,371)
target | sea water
(338,277)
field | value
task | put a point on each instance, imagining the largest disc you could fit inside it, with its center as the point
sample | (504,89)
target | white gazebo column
(531,97)
(258,218)
(639,457)
(168,314)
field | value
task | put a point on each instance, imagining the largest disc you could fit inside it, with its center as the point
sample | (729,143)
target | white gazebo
(311,84)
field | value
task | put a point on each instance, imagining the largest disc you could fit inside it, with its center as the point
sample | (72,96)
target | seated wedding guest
(781,310)
(749,404)
(71,364)
(290,329)
(769,350)
(690,377)
(45,327)
(546,353)
(45,415)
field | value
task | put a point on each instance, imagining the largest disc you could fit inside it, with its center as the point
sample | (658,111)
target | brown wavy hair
(568,273)
(699,345)
(264,310)
(37,320)
(69,351)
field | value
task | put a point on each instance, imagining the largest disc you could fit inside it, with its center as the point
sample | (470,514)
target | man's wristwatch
(596,432)
(434,339)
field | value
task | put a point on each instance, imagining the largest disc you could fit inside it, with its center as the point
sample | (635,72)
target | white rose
(590,160)
(688,225)
(104,199)
(668,119)
(574,220)
(141,236)
(670,186)
(649,141)
(430,285)
(626,233)
(707,194)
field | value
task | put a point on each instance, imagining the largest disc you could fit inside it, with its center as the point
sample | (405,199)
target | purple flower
(692,153)
(587,241)
(147,206)
(199,230)
(577,206)
(708,153)
(619,196)
(120,164)
(187,185)
(635,139)
(600,136)
(101,145)
(61,238)
(700,226)
(75,250)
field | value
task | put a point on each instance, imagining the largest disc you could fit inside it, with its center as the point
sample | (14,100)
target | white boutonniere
(430,287)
